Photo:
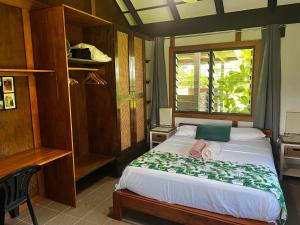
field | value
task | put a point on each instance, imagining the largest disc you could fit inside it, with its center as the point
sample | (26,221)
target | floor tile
(12,221)
(95,198)
(116,222)
(42,214)
(106,207)
(23,223)
(63,219)
(95,216)
(58,206)
(82,222)
(80,211)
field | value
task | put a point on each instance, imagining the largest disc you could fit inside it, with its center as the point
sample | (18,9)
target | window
(214,81)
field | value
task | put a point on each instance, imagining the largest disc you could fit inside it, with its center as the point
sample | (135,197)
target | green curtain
(159,90)
(267,115)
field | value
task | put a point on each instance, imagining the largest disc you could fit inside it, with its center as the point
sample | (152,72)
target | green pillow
(213,133)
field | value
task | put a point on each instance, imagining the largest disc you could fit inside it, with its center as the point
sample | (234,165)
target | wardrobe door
(123,89)
(138,46)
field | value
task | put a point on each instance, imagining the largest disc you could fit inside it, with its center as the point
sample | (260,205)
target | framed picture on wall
(8,84)
(1,102)
(9,100)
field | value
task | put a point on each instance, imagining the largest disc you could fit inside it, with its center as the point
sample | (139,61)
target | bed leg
(117,208)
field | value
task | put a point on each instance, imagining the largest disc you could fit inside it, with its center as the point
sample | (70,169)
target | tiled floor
(95,203)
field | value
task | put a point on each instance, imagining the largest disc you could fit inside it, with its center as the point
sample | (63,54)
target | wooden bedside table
(290,156)
(160,134)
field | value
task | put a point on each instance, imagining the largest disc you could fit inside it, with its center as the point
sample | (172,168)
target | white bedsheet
(210,195)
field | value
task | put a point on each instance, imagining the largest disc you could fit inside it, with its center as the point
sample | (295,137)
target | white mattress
(210,195)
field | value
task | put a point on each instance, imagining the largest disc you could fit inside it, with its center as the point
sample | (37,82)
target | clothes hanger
(72,81)
(92,78)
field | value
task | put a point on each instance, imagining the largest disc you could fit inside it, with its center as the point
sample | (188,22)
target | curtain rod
(221,32)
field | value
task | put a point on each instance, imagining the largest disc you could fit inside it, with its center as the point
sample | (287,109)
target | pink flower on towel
(196,150)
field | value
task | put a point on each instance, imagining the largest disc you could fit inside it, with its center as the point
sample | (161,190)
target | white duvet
(210,195)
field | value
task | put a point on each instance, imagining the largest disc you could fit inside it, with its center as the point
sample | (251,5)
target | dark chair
(14,192)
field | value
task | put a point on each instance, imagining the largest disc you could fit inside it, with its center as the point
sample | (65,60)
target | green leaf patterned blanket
(243,174)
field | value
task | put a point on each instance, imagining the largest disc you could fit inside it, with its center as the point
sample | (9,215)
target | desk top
(39,156)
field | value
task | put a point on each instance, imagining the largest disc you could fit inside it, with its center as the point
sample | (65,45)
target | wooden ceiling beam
(219,7)
(228,21)
(272,4)
(133,12)
(174,11)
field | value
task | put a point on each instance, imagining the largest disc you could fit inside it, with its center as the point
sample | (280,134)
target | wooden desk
(58,184)
(40,156)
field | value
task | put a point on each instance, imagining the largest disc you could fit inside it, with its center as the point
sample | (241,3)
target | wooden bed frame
(173,212)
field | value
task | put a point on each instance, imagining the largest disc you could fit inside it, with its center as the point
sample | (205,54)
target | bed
(192,200)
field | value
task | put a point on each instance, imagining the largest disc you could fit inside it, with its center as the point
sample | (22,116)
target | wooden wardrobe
(130,83)
(99,124)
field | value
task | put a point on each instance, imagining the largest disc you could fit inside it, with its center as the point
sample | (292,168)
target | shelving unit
(89,163)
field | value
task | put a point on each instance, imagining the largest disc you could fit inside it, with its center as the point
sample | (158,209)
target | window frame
(255,45)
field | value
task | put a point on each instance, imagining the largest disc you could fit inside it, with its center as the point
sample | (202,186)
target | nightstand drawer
(159,137)
(292,152)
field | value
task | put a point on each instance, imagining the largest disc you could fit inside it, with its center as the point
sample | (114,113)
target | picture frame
(1,104)
(9,101)
(1,96)
(8,84)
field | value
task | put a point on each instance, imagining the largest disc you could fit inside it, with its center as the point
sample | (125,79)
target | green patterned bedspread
(243,174)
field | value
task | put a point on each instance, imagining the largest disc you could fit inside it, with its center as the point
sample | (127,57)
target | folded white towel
(96,54)
(211,151)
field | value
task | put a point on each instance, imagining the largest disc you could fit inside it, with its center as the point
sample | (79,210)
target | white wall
(290,67)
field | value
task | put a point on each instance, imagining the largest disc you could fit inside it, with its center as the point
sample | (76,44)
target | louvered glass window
(214,81)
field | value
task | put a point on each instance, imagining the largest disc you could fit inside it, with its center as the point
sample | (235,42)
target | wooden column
(171,77)
(238,35)
(32,90)
(93,7)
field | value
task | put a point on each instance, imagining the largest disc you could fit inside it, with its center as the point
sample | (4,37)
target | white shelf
(292,170)
(292,157)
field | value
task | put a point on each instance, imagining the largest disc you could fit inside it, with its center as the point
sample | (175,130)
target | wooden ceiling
(176,17)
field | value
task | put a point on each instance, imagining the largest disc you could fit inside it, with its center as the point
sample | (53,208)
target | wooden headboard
(267,132)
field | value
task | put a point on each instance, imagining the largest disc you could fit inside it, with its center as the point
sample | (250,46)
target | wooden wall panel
(139,88)
(139,65)
(140,119)
(48,34)
(125,126)
(123,87)
(12,43)
(74,34)
(101,100)
(79,117)
(106,9)
(84,5)
(15,125)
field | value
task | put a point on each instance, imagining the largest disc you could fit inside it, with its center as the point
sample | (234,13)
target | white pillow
(239,133)
(186,131)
